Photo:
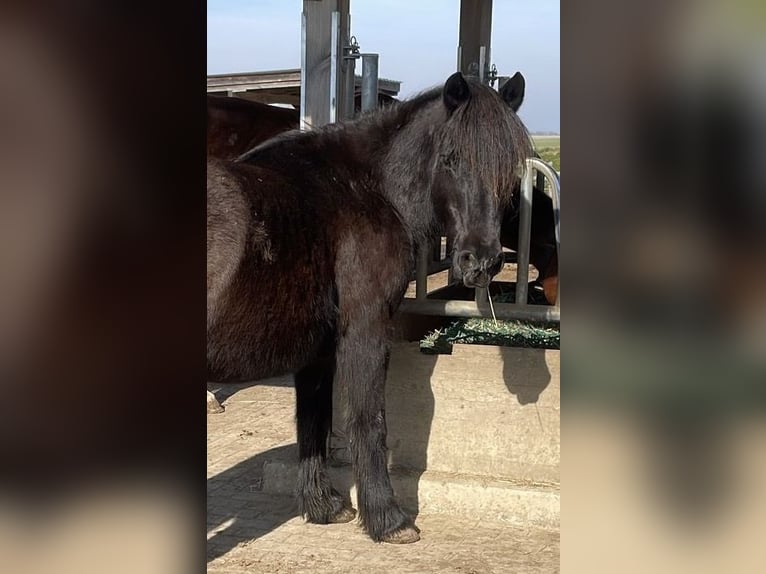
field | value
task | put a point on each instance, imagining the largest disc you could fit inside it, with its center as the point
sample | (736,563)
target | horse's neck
(405,169)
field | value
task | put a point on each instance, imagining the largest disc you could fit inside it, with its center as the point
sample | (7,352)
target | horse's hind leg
(213,406)
(362,365)
(318,501)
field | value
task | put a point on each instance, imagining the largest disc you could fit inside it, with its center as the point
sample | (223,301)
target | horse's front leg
(361,369)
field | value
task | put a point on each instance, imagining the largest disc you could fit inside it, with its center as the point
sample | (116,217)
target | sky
(417,42)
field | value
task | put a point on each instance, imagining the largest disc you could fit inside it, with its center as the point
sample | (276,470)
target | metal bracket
(491,75)
(352,49)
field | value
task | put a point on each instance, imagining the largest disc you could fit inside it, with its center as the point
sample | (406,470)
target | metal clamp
(352,49)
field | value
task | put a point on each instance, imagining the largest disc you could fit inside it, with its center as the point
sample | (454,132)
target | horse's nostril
(495,264)
(466,258)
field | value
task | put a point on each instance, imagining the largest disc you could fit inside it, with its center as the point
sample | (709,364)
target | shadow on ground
(237,510)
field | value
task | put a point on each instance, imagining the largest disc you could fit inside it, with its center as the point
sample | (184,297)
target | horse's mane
(483,133)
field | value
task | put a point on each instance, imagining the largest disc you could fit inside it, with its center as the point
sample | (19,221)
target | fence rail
(520,310)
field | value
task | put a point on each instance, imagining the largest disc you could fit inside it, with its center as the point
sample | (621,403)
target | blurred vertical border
(664,231)
(102,338)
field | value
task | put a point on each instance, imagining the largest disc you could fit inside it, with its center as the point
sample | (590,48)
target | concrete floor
(255,532)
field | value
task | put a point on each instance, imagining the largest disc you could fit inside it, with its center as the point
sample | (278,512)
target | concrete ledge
(483,411)
(474,434)
(442,493)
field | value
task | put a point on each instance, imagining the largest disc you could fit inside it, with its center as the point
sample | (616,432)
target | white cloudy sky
(416,40)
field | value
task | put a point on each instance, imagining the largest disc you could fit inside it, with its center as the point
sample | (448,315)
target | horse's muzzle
(478,272)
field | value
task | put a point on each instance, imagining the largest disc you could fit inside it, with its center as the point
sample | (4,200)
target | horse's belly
(272,335)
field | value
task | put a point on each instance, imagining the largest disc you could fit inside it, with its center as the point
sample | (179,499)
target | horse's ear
(513,91)
(456,91)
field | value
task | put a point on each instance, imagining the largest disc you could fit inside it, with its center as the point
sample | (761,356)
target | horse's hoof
(406,535)
(214,408)
(344,515)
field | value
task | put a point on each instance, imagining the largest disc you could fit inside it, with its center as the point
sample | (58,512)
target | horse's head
(481,149)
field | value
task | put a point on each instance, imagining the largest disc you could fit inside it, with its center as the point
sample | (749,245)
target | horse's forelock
(489,139)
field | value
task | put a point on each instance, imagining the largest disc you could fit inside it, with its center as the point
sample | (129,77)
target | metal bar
(505,311)
(421,273)
(348,86)
(517,311)
(555,180)
(304,86)
(482,63)
(555,184)
(334,43)
(348,67)
(525,228)
(369,82)
(436,249)
(474,31)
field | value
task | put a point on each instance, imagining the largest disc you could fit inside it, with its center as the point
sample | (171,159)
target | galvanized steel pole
(555,195)
(451,308)
(369,82)
(421,272)
(334,61)
(525,228)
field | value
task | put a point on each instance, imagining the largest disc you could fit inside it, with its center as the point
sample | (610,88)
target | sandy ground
(250,531)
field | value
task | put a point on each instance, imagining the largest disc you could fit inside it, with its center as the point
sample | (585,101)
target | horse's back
(271,301)
(235,125)
(315,252)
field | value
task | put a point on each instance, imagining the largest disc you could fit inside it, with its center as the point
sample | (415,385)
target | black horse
(310,246)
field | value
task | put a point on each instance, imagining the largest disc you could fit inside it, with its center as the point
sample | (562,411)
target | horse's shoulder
(374,233)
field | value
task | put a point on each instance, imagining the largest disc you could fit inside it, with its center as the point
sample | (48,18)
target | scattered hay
(486,331)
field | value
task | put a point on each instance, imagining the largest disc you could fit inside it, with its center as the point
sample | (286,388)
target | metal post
(540,182)
(555,195)
(475,31)
(348,81)
(369,82)
(323,24)
(350,50)
(421,273)
(482,64)
(304,83)
(334,44)
(436,249)
(525,228)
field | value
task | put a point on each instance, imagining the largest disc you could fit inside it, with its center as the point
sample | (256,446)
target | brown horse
(235,125)
(310,246)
